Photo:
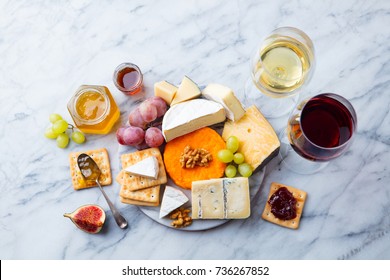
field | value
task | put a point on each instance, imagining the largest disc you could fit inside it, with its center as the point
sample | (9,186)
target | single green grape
(54,117)
(232,144)
(245,170)
(78,137)
(238,158)
(225,156)
(60,126)
(49,133)
(230,171)
(62,140)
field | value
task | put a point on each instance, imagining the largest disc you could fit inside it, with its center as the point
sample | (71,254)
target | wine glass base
(294,162)
(269,107)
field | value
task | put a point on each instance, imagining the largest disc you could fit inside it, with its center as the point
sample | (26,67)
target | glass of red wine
(319,129)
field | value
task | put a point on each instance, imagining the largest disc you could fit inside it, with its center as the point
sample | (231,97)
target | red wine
(327,122)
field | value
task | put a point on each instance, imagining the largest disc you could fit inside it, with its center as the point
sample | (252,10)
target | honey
(128,78)
(91,105)
(93,109)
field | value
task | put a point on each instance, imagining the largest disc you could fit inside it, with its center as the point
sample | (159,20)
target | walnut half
(180,218)
(195,157)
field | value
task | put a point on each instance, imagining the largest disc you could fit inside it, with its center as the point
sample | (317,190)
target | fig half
(89,218)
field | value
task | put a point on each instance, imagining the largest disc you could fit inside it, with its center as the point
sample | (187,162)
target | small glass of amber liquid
(93,109)
(128,78)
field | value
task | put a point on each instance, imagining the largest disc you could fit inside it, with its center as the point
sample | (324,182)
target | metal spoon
(91,172)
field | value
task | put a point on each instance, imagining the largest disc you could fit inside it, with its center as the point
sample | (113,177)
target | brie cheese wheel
(147,167)
(186,91)
(172,199)
(226,97)
(226,198)
(189,116)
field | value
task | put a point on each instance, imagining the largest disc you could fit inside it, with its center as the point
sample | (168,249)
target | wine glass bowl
(280,66)
(319,129)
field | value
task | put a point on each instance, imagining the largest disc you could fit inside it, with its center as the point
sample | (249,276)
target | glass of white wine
(282,64)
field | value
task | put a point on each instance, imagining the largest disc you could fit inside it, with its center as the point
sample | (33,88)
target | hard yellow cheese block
(226,97)
(258,140)
(165,90)
(226,198)
(187,90)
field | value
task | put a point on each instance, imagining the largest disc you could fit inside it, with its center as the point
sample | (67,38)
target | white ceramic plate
(154,212)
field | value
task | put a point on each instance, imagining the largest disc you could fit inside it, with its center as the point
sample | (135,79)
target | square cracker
(133,182)
(299,195)
(140,203)
(151,194)
(100,156)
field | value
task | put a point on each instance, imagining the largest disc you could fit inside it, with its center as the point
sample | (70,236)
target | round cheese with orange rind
(204,138)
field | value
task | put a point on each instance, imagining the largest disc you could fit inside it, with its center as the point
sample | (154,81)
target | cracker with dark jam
(284,205)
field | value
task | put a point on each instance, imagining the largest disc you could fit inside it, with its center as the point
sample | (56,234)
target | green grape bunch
(236,160)
(58,130)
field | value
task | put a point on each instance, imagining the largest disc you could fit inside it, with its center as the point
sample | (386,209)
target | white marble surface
(49,48)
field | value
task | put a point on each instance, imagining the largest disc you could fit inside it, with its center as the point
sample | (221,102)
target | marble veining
(48,49)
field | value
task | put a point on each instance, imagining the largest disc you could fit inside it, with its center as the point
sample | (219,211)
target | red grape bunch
(145,125)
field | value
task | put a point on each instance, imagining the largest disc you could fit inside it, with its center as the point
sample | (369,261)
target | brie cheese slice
(189,116)
(147,167)
(172,199)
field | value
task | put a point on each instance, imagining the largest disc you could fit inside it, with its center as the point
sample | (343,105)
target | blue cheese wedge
(172,199)
(225,96)
(226,198)
(147,167)
(189,116)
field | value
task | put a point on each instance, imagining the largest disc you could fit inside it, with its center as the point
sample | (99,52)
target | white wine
(281,66)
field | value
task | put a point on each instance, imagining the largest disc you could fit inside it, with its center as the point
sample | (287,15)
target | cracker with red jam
(284,205)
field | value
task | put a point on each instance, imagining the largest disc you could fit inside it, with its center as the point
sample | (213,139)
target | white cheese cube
(165,90)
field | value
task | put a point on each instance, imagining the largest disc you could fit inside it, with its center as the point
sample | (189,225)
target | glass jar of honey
(128,78)
(93,109)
